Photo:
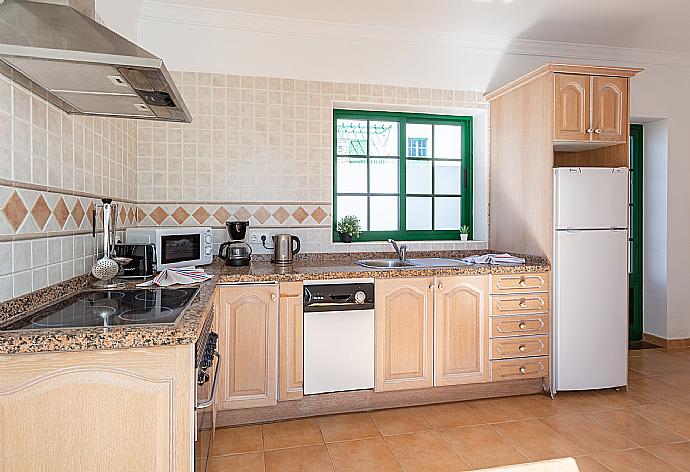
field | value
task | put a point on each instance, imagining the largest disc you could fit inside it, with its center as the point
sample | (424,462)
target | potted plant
(464,232)
(349,228)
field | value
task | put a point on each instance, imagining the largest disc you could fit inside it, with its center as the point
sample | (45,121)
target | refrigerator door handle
(572,230)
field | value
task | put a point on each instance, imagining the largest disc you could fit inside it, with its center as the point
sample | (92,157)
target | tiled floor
(645,429)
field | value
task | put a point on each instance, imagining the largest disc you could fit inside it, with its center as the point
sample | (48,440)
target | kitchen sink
(422,263)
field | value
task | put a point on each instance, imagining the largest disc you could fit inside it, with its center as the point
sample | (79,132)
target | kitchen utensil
(283,248)
(105,269)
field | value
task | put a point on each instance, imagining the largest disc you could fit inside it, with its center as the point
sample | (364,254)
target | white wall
(223,42)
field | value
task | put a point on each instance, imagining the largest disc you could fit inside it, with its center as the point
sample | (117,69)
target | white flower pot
(463,237)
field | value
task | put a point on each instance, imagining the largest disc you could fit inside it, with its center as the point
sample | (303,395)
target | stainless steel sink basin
(425,263)
(384,264)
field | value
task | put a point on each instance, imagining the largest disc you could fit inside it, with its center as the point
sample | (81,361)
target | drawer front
(530,368)
(516,304)
(519,325)
(517,283)
(526,346)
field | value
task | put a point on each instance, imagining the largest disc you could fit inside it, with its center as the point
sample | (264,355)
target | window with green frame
(405,176)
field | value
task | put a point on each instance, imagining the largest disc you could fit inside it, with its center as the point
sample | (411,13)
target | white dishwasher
(338,335)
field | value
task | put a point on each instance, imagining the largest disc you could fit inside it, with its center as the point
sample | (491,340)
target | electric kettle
(283,248)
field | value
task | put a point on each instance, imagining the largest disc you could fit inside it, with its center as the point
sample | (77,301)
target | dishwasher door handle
(214,386)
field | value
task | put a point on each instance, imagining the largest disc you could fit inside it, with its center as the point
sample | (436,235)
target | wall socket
(254,239)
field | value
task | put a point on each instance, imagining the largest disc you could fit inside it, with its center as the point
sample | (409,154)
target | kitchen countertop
(188,327)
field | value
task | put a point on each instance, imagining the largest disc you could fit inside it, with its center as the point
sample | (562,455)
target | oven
(175,247)
(207,362)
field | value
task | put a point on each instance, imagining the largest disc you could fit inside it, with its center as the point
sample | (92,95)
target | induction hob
(102,309)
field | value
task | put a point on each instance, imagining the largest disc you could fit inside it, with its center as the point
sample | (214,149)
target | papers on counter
(179,275)
(495,259)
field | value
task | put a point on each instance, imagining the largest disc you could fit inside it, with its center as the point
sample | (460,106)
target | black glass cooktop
(100,308)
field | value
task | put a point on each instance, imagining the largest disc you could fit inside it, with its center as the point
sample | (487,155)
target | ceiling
(641,24)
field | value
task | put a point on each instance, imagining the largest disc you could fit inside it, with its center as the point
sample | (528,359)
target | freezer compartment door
(590,197)
(591,309)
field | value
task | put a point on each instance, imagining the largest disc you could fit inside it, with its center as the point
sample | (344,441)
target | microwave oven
(175,247)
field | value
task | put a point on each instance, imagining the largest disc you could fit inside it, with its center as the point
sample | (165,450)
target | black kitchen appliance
(236,252)
(143,260)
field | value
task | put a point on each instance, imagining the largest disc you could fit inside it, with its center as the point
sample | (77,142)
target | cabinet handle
(522,282)
(522,303)
(273,297)
(522,325)
(522,370)
(598,131)
(440,287)
(590,130)
(432,288)
(522,348)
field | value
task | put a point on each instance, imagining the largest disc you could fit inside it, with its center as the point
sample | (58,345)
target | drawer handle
(522,325)
(523,370)
(522,303)
(522,348)
(522,282)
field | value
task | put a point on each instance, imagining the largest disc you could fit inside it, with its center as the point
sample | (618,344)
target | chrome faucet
(401,250)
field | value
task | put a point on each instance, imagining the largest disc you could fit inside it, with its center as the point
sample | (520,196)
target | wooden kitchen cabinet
(291,346)
(404,333)
(590,109)
(461,324)
(248,342)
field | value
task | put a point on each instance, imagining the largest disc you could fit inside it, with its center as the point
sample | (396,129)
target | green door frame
(635,233)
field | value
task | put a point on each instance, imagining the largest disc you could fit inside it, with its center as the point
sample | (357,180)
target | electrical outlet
(254,238)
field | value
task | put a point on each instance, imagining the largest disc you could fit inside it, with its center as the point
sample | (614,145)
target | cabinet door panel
(404,333)
(610,109)
(291,330)
(572,107)
(462,318)
(248,341)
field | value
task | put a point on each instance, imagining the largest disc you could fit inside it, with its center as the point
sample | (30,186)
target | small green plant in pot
(349,228)
(464,232)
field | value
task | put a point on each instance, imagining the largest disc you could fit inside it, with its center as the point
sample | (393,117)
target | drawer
(516,304)
(503,326)
(517,283)
(524,346)
(530,368)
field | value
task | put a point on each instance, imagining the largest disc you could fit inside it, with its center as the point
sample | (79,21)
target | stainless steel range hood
(81,66)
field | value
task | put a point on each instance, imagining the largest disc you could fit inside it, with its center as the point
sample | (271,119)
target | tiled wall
(53,169)
(260,148)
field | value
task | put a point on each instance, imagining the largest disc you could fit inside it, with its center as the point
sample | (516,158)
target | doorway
(635,234)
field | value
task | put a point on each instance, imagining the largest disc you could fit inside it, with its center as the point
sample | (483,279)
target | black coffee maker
(236,252)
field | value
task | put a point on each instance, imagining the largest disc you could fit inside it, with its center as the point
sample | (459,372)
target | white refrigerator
(590,274)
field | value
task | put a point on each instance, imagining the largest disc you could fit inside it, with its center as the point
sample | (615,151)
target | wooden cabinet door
(572,107)
(610,109)
(404,333)
(291,347)
(248,319)
(462,323)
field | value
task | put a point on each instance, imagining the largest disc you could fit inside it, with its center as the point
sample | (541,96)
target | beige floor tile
(237,440)
(450,415)
(677,380)
(496,410)
(656,387)
(647,353)
(634,427)
(590,464)
(400,420)
(425,451)
(587,433)
(347,427)
(253,462)
(628,397)
(538,441)
(587,401)
(633,460)
(298,459)
(677,454)
(542,406)
(482,447)
(682,405)
(291,434)
(362,454)
(657,365)
(668,416)
(633,374)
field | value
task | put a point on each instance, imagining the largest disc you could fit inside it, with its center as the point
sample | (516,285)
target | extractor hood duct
(81,66)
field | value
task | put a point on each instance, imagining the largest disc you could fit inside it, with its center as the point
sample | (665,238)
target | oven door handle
(214,386)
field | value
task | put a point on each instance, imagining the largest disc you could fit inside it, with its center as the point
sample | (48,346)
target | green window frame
(403,119)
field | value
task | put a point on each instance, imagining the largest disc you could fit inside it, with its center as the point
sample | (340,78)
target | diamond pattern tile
(130,214)
(78,213)
(122,215)
(319,215)
(281,215)
(40,212)
(242,214)
(15,211)
(180,215)
(262,215)
(140,215)
(201,215)
(61,212)
(89,213)
(221,215)
(300,214)
(158,215)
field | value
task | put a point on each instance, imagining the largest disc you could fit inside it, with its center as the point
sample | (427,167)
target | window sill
(376,246)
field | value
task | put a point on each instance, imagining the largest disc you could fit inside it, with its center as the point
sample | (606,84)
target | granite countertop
(187,328)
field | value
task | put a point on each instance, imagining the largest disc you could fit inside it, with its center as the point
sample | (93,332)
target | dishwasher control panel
(338,297)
